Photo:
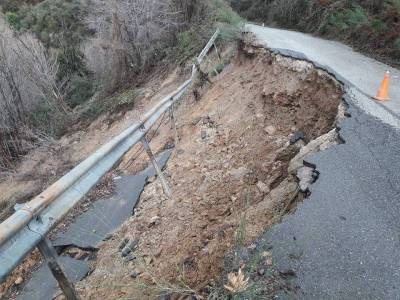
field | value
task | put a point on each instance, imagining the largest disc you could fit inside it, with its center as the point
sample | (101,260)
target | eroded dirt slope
(231,163)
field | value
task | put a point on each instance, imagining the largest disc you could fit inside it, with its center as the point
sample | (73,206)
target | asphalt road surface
(343,242)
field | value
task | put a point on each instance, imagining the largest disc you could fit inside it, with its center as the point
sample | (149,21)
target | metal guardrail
(29,225)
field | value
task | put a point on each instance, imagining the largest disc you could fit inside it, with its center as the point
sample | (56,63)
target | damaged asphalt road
(343,242)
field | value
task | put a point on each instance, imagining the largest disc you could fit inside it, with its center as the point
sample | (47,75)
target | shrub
(225,14)
(13,20)
(81,89)
(397,44)
(46,120)
(396,4)
(350,18)
(119,102)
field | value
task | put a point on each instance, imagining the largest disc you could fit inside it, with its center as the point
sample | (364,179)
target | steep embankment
(232,174)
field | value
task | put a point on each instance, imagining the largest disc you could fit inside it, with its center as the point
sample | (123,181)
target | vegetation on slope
(63,61)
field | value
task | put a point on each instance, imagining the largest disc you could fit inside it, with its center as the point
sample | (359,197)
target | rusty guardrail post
(50,255)
(173,124)
(160,174)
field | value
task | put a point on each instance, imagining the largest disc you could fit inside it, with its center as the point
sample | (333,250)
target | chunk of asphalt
(123,244)
(297,136)
(106,215)
(131,247)
(130,257)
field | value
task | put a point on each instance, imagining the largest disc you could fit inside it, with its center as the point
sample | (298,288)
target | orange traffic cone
(383,93)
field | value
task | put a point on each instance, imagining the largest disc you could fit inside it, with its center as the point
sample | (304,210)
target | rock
(134,275)
(131,247)
(268,262)
(19,280)
(123,244)
(107,237)
(321,143)
(287,273)
(267,254)
(270,130)
(297,136)
(148,260)
(238,173)
(130,257)
(155,221)
(152,179)
(196,121)
(264,188)
(261,272)
(158,252)
(306,178)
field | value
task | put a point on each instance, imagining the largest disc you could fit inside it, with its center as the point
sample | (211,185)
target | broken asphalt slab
(348,66)
(44,286)
(343,242)
(90,228)
(346,236)
(108,214)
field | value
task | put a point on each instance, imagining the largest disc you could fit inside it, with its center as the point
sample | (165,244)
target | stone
(130,257)
(238,173)
(264,188)
(148,260)
(306,178)
(155,221)
(323,142)
(268,261)
(267,254)
(134,275)
(287,273)
(19,280)
(270,130)
(107,237)
(196,121)
(297,136)
(123,244)
(131,247)
(151,179)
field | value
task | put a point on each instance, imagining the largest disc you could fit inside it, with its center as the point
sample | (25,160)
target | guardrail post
(50,256)
(160,174)
(173,124)
(216,50)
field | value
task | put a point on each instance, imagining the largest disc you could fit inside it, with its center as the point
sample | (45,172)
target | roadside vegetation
(371,26)
(64,62)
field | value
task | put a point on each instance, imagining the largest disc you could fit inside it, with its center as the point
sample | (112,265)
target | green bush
(396,4)
(98,106)
(350,18)
(11,5)
(48,121)
(13,20)
(397,44)
(378,25)
(81,89)
(58,24)
(225,14)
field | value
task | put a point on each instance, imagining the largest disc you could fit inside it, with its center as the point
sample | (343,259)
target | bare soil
(47,163)
(231,164)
